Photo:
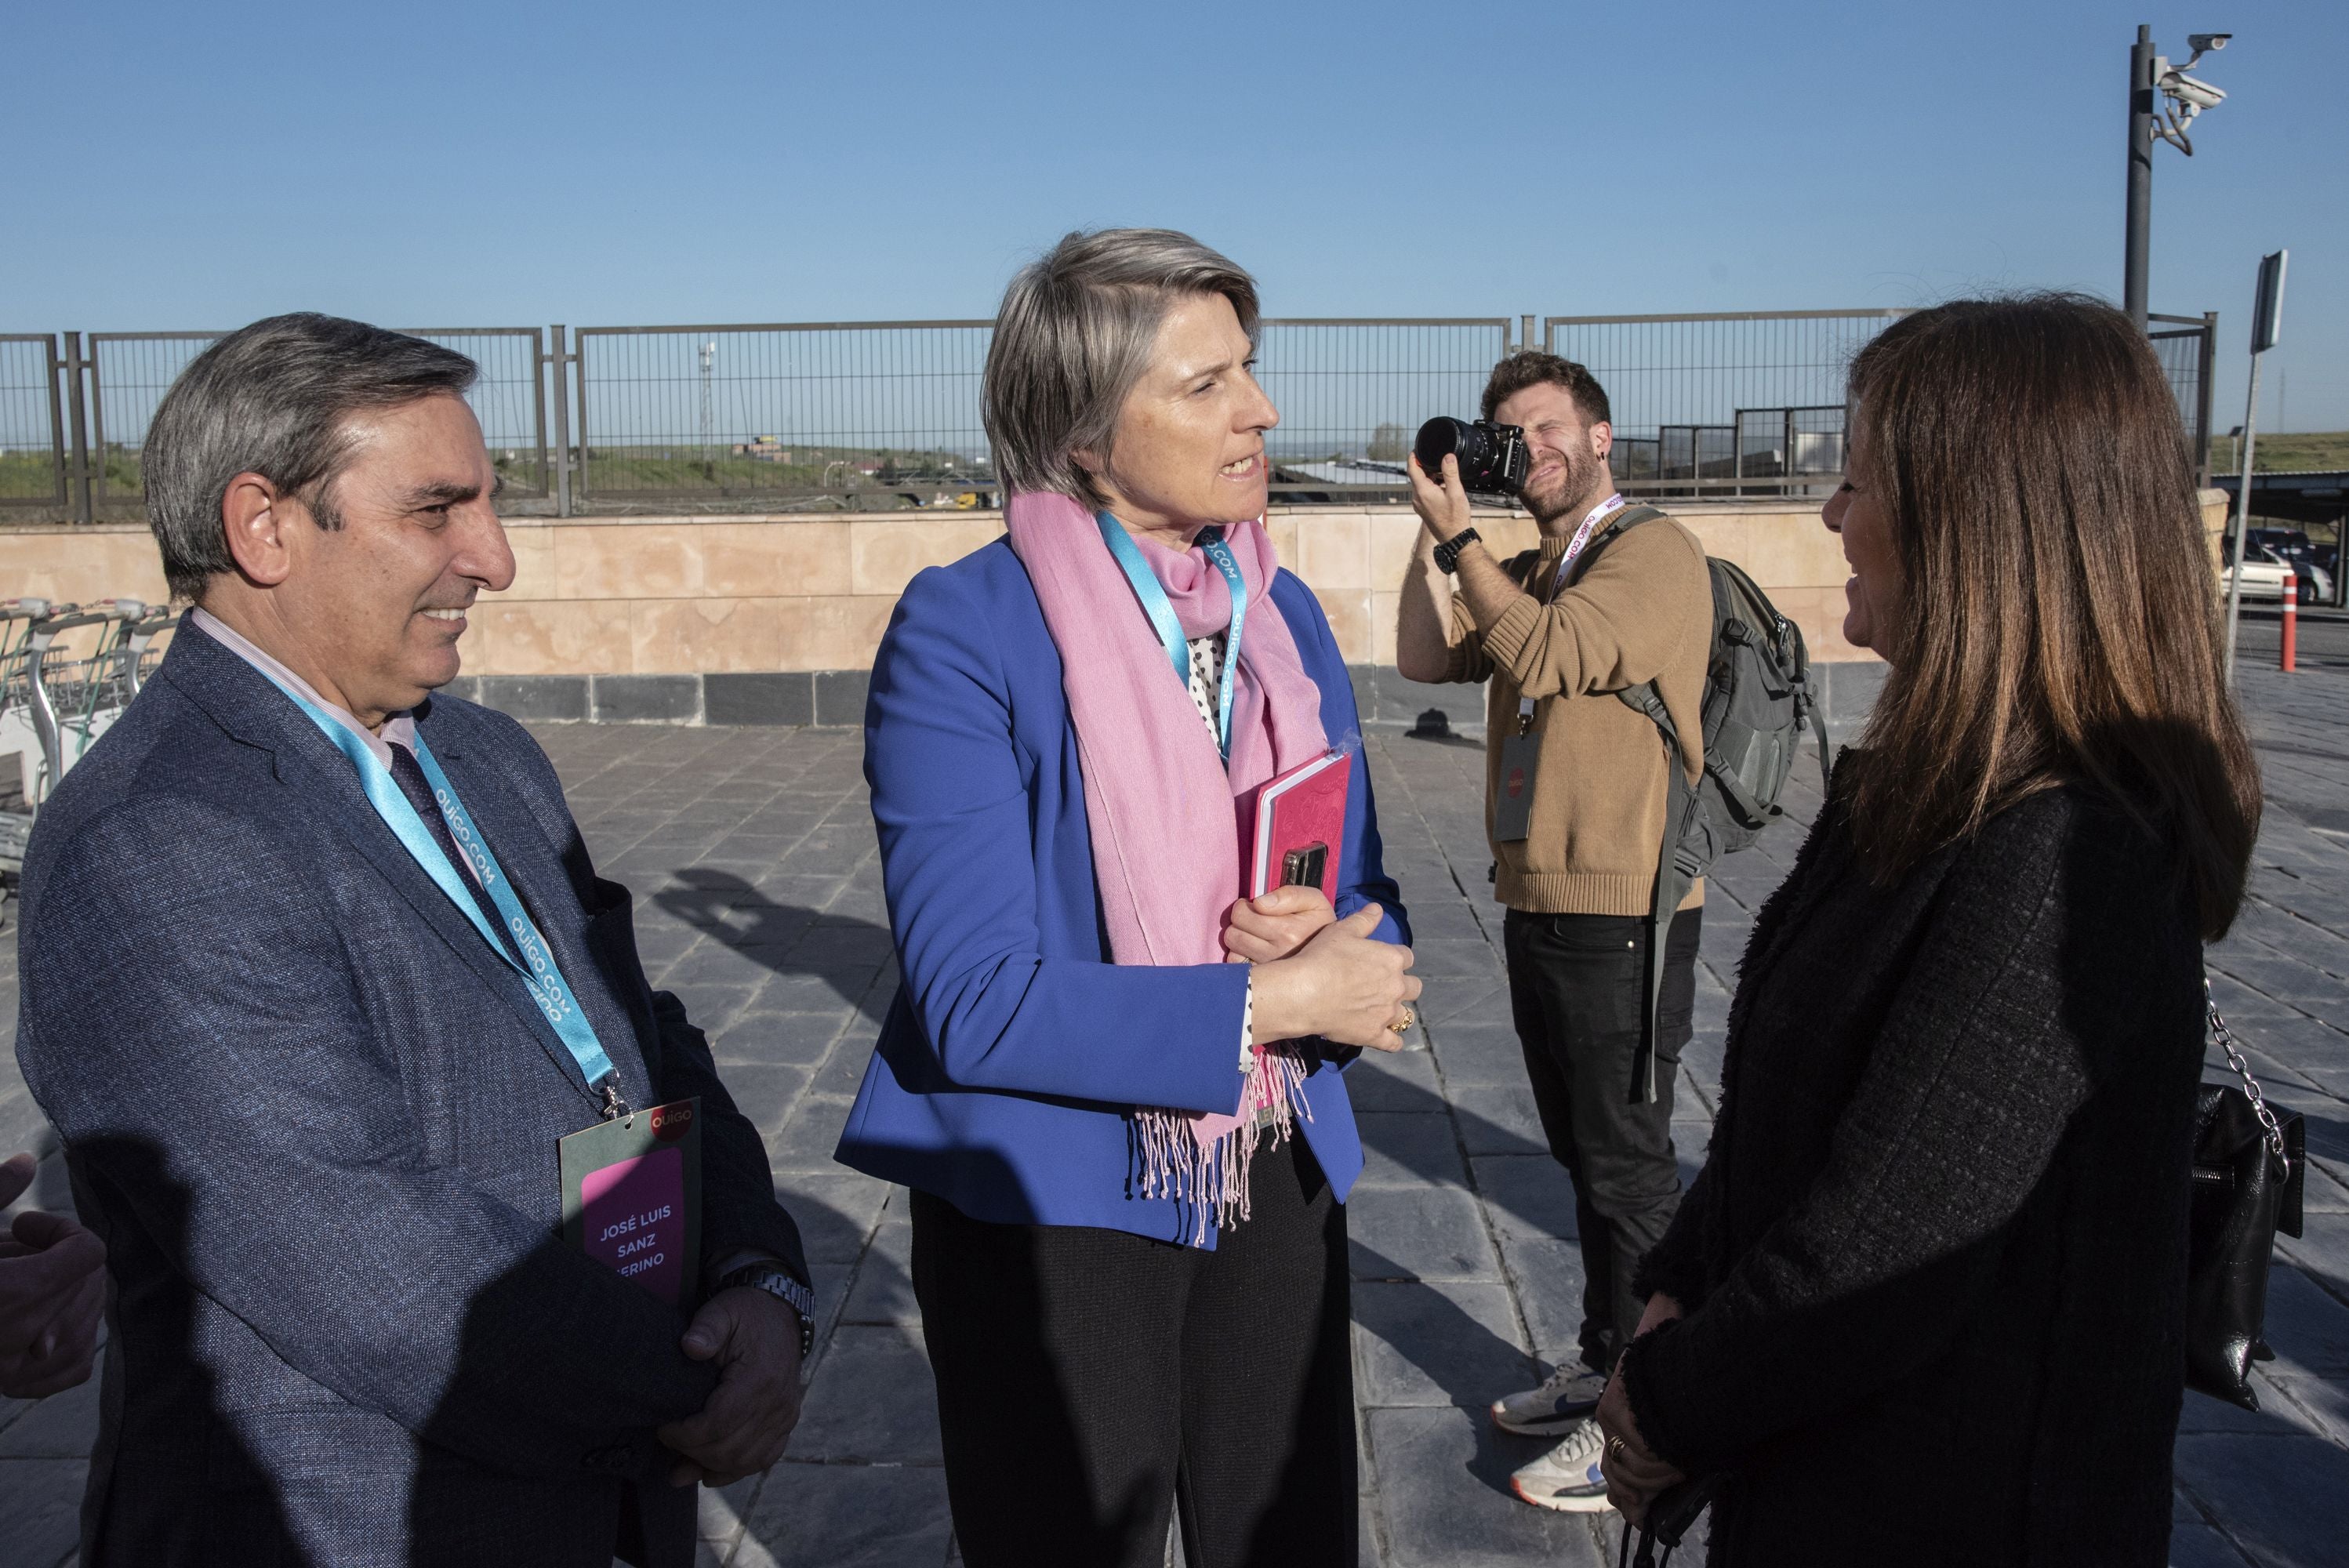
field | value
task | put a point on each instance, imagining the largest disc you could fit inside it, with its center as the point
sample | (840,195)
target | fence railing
(845,411)
(124,376)
(32,423)
(816,409)
(2186,345)
(885,415)
(1743,403)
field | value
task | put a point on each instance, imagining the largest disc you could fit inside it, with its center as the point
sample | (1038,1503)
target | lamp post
(2152,79)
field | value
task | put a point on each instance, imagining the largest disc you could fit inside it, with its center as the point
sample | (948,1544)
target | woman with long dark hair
(1925,1302)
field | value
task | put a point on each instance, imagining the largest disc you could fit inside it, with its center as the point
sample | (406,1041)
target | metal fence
(885,415)
(814,409)
(2186,345)
(1353,392)
(888,412)
(129,372)
(112,389)
(32,423)
(1747,403)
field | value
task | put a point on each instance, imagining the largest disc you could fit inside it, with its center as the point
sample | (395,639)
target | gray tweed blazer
(314,1117)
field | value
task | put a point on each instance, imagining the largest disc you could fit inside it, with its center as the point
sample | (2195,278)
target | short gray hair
(276,399)
(1074,336)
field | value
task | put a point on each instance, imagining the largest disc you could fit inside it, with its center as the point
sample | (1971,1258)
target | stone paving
(758,902)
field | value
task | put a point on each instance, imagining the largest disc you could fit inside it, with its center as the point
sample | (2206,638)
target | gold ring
(1402,1026)
(1615,1447)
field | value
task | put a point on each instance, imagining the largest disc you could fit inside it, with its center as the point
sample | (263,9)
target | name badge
(1513,792)
(632,1196)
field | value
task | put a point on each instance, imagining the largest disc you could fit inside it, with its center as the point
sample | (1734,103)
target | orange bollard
(2290,620)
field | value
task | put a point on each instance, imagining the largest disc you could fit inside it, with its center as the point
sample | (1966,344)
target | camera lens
(1493,458)
(1441,437)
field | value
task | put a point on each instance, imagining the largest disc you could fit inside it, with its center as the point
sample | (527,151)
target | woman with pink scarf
(1115,1086)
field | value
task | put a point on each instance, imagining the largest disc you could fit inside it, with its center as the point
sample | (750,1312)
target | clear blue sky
(494,162)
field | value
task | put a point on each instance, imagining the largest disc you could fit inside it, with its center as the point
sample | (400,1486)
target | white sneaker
(1567,1478)
(1556,1408)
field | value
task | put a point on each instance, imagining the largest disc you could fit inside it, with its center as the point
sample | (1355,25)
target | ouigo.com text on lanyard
(536,966)
(1580,541)
(1160,610)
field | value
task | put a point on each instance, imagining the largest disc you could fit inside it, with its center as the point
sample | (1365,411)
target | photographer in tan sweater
(1575,807)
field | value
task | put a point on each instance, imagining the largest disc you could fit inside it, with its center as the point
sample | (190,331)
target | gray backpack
(1757,698)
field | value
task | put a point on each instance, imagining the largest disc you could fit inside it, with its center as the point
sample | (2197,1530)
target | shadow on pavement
(841,952)
(1441,1164)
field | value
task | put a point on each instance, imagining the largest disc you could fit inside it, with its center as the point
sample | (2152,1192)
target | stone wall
(775,619)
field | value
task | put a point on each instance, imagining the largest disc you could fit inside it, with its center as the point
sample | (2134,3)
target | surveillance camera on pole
(2188,98)
(2163,102)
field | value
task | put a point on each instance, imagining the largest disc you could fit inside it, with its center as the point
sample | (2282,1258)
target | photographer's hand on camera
(1444,512)
(1441,501)
(1344,985)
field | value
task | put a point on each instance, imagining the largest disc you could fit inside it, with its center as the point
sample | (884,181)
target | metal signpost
(2267,325)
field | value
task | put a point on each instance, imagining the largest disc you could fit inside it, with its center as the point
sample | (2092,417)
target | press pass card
(1513,796)
(632,1195)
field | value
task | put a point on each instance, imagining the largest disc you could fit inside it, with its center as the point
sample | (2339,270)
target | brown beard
(1572,492)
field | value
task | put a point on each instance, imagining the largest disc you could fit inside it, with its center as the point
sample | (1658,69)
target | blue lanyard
(1155,604)
(543,980)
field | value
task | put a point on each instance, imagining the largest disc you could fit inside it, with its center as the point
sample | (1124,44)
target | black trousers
(1091,1381)
(1576,987)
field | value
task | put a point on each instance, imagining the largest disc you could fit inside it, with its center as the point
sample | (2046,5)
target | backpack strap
(1674,875)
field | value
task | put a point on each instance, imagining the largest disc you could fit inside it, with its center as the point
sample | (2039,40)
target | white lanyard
(1597,514)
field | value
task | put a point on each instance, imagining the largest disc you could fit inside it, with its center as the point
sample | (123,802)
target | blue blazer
(1007,1066)
(313,1119)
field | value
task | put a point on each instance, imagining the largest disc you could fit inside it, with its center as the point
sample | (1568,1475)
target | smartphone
(1302,866)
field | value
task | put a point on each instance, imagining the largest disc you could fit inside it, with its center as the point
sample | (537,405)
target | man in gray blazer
(317,978)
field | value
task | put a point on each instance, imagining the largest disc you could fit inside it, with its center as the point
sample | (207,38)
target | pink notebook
(1300,826)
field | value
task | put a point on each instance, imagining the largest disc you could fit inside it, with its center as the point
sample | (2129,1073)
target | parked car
(2264,575)
(2309,564)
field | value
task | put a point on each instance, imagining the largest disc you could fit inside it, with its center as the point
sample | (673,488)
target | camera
(2197,95)
(1493,458)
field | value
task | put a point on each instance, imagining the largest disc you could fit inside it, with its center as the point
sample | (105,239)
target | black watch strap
(1447,554)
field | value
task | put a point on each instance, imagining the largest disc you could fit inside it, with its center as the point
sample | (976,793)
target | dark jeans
(1575,985)
(1091,1382)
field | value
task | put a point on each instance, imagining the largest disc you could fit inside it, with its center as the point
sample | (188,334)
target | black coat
(1935,1264)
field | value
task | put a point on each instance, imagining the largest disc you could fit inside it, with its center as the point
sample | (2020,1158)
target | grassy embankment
(2294,452)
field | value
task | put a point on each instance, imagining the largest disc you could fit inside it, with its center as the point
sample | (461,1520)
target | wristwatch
(776,1282)
(1447,554)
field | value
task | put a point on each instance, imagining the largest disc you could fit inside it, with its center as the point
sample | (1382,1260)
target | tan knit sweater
(1642,610)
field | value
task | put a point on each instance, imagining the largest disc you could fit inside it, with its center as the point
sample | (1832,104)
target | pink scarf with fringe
(1161,805)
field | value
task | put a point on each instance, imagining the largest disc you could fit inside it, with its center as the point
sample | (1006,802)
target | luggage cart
(54,704)
(75,699)
(141,657)
(17,732)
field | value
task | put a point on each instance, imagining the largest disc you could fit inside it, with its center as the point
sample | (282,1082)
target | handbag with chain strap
(2248,1166)
(1671,1516)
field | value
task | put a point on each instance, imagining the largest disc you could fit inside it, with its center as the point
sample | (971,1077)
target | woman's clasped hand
(1635,1476)
(1318,975)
